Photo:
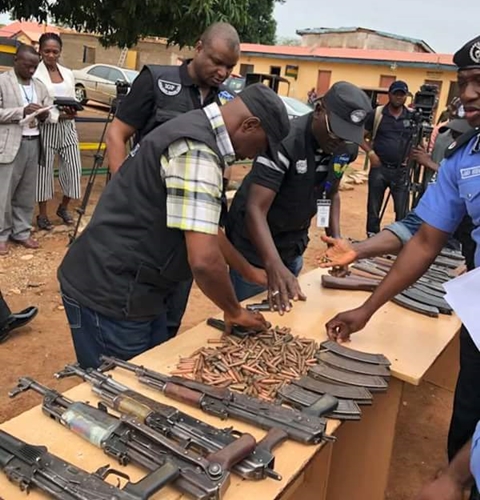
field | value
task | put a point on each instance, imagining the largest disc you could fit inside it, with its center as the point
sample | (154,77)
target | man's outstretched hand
(339,254)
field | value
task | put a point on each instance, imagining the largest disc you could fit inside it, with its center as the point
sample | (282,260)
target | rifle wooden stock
(272,439)
(349,283)
(183,394)
(235,452)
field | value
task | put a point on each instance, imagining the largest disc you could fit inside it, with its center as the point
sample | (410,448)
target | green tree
(123,22)
(261,25)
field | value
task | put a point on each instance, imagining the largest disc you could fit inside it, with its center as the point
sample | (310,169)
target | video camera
(122,87)
(425,101)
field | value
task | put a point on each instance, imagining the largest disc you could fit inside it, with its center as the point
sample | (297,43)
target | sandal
(64,214)
(44,223)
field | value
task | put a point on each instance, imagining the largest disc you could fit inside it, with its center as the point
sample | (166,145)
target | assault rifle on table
(130,441)
(223,403)
(31,466)
(188,431)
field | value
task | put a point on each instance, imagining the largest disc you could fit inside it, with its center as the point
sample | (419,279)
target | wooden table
(355,467)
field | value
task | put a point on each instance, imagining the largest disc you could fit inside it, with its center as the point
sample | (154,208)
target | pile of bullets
(257,365)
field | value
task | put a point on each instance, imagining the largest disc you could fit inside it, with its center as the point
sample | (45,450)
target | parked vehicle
(99,82)
(295,108)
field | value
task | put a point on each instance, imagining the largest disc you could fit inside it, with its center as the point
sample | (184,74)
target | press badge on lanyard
(323,211)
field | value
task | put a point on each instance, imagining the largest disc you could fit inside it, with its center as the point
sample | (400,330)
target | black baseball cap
(398,86)
(265,104)
(459,125)
(468,57)
(347,108)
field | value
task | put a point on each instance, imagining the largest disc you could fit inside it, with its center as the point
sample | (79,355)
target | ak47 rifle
(33,467)
(223,403)
(183,428)
(130,441)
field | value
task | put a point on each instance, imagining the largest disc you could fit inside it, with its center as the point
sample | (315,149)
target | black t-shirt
(300,177)
(392,137)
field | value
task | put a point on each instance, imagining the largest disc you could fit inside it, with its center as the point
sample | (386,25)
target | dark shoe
(64,214)
(3,248)
(44,223)
(17,320)
(28,243)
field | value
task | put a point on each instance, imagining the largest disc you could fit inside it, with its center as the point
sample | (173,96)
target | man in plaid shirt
(157,223)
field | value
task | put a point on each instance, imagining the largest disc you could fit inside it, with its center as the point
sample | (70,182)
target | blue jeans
(245,289)
(94,334)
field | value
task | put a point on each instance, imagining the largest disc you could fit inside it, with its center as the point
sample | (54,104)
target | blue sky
(444,25)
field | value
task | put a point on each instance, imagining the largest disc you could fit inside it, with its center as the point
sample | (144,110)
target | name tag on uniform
(323,213)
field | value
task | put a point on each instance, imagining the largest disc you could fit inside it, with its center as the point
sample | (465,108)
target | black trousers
(466,403)
(4,311)
(379,179)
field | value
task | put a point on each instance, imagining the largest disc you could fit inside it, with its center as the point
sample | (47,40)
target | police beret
(468,57)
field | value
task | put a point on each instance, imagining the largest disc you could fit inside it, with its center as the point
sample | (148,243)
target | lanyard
(29,99)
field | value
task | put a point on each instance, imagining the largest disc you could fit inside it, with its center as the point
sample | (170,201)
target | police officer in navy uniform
(443,206)
(270,215)
(160,93)
(388,155)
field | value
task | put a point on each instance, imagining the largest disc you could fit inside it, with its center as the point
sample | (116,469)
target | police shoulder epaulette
(460,142)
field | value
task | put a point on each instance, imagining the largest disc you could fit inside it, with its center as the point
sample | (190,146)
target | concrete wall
(362,75)
(147,52)
(359,40)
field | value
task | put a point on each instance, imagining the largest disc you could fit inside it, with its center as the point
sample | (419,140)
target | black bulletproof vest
(127,259)
(295,204)
(171,97)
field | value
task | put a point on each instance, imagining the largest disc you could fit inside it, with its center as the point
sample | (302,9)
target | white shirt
(29,96)
(60,89)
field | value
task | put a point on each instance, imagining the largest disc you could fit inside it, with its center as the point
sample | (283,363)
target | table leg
(312,482)
(444,372)
(361,455)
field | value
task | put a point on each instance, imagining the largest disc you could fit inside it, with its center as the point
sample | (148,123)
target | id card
(323,213)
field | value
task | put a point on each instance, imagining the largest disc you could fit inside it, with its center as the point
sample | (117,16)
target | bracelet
(371,151)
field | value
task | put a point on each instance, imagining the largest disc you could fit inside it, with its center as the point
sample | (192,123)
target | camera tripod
(98,159)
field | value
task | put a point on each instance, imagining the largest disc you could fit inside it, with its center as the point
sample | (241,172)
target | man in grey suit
(20,96)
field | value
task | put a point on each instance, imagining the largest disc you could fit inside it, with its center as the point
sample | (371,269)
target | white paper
(463,294)
(27,119)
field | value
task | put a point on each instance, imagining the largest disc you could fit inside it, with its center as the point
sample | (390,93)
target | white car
(294,107)
(99,82)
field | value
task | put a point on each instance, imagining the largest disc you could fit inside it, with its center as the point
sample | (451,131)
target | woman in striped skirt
(57,138)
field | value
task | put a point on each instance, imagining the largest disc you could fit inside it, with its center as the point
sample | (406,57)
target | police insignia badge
(301,166)
(169,88)
(224,96)
(475,52)
(340,163)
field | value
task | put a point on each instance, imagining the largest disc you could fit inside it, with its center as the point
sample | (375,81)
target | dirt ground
(38,350)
